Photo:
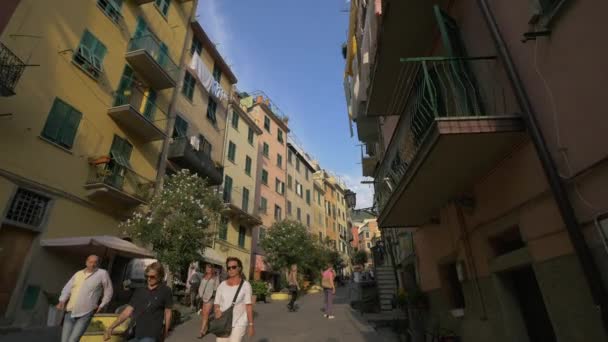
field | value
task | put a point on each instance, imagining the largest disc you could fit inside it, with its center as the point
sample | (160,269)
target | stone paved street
(275,324)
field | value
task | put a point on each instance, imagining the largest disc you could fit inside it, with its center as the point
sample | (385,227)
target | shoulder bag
(222,327)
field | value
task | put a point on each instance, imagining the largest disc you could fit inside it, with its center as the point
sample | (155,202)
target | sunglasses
(231,267)
(151,277)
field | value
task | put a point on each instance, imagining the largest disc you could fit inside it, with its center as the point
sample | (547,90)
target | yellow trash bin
(99,324)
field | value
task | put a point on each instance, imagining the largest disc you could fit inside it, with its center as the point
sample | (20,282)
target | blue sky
(291,50)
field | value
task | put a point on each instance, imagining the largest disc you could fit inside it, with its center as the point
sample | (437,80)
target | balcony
(152,62)
(142,2)
(450,133)
(11,68)
(110,180)
(369,159)
(186,155)
(139,115)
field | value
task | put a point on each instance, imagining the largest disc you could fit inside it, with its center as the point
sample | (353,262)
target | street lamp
(351,199)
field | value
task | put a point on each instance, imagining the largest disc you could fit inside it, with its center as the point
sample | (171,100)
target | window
(27,207)
(231,151)
(180,129)
(297,164)
(306,169)
(263,205)
(277,213)
(217,73)
(267,124)
(204,145)
(290,157)
(262,233)
(227,189)
(248,165)
(196,46)
(188,87)
(111,8)
(319,197)
(211,108)
(279,135)
(245,204)
(279,160)
(266,150)
(242,234)
(308,220)
(334,210)
(308,197)
(250,136)
(163,6)
(289,208)
(299,214)
(264,177)
(61,124)
(90,54)
(289,182)
(279,187)
(299,189)
(223,231)
(367,235)
(235,120)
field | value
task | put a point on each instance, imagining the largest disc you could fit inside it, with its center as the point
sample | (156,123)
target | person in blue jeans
(149,308)
(82,294)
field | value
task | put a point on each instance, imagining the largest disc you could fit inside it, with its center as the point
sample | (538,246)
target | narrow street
(274,323)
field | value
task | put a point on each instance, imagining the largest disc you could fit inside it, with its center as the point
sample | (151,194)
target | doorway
(527,293)
(15,245)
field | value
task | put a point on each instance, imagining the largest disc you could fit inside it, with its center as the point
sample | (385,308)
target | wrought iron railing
(145,104)
(432,88)
(152,46)
(122,178)
(11,68)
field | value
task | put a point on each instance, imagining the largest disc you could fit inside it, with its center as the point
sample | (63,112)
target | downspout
(584,256)
(162,162)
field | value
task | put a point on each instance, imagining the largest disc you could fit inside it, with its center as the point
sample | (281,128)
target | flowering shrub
(178,222)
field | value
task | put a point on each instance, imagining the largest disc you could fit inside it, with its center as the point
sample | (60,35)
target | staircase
(387,285)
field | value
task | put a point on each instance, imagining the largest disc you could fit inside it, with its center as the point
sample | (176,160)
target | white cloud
(365,192)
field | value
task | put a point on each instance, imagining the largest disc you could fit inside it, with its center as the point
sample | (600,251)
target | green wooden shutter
(141,29)
(149,110)
(242,233)
(180,128)
(124,90)
(57,115)
(69,128)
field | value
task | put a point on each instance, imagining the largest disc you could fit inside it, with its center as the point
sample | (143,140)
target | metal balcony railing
(433,88)
(152,46)
(120,178)
(143,104)
(11,68)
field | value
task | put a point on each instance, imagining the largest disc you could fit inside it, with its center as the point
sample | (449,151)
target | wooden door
(15,244)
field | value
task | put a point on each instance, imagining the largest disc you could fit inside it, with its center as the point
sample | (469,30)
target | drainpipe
(584,256)
(162,161)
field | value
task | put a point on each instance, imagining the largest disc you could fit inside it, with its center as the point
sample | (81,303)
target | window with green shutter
(90,54)
(299,214)
(245,204)
(264,177)
(217,73)
(231,151)
(62,124)
(180,129)
(242,234)
(263,205)
(211,108)
(227,189)
(196,46)
(289,208)
(289,182)
(279,135)
(163,6)
(266,150)
(267,124)
(188,87)
(223,231)
(279,160)
(120,151)
(308,197)
(290,157)
(248,165)
(297,164)
(111,8)
(250,136)
(235,120)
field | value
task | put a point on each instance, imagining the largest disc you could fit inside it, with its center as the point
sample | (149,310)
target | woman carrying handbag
(232,306)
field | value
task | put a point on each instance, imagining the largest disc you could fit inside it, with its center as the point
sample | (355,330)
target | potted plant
(260,290)
(100,160)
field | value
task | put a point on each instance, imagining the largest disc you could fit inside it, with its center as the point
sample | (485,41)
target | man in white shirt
(82,294)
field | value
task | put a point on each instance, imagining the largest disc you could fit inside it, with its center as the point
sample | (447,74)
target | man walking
(82,294)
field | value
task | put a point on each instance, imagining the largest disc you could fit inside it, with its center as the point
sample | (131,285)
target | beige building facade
(299,186)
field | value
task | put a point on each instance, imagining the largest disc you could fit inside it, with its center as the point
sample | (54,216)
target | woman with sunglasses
(242,316)
(148,307)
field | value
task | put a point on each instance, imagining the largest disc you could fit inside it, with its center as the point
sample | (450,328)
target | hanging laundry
(206,78)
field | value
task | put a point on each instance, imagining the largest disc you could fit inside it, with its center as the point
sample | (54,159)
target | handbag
(222,327)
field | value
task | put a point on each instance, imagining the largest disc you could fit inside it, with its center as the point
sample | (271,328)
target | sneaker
(331,317)
(325,315)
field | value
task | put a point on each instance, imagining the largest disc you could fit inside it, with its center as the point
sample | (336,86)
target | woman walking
(206,292)
(294,287)
(242,315)
(329,290)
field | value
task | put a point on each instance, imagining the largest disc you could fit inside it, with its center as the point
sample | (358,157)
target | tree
(360,258)
(287,242)
(177,221)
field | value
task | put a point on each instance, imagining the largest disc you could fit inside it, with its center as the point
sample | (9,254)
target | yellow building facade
(84,132)
(299,186)
(318,209)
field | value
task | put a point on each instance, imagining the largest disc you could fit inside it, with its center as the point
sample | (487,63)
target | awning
(212,256)
(98,245)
